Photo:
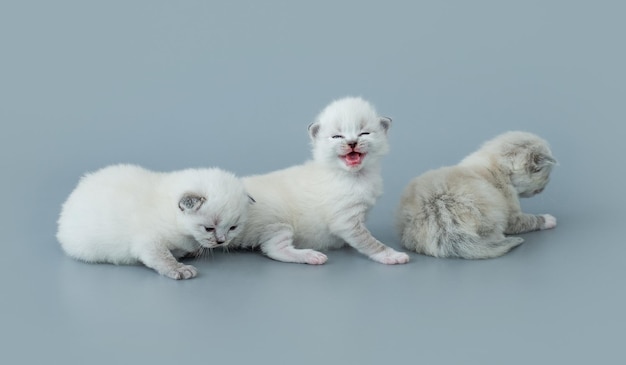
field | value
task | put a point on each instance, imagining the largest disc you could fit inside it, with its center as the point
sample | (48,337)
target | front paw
(313,257)
(292,254)
(183,272)
(390,257)
(549,221)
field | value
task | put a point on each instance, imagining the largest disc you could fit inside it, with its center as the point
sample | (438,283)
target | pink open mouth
(353,158)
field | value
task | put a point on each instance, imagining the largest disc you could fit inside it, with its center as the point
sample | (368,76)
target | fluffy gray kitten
(125,214)
(466,210)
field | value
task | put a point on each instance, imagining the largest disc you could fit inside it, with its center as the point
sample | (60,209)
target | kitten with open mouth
(323,203)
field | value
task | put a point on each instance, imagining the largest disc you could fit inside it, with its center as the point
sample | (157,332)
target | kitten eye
(233,228)
(364,134)
(209,229)
(337,136)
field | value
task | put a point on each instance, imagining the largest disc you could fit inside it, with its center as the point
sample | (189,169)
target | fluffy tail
(475,248)
(455,244)
(454,225)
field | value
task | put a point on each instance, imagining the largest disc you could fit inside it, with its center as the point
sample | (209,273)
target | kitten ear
(190,202)
(385,122)
(252,201)
(313,129)
(537,161)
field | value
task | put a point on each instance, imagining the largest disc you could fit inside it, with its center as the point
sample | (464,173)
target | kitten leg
(521,223)
(277,243)
(359,237)
(389,256)
(162,261)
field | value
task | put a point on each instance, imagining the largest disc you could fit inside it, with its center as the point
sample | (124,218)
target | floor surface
(170,85)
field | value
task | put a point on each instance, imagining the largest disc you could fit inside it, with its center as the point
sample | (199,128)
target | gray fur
(466,210)
(313,129)
(385,122)
(190,202)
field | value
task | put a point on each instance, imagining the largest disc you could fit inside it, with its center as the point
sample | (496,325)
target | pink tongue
(353,158)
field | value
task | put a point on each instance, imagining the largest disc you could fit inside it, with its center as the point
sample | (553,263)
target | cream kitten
(323,203)
(466,210)
(124,214)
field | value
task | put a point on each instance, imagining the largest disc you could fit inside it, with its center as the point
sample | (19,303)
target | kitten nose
(220,238)
(352,144)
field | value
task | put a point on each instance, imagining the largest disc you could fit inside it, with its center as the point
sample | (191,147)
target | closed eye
(209,229)
(233,228)
(338,136)
(364,134)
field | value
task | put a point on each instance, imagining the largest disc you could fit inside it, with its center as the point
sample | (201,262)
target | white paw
(313,257)
(299,256)
(183,272)
(390,257)
(549,221)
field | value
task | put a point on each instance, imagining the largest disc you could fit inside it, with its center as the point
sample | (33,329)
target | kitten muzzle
(211,244)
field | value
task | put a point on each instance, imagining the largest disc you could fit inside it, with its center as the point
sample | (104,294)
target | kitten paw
(549,221)
(299,256)
(314,257)
(390,257)
(183,272)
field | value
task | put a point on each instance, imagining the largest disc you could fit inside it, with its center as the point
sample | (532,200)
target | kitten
(466,210)
(125,214)
(323,203)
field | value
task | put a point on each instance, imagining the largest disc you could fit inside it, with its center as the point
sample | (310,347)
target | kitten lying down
(124,214)
(466,210)
(323,203)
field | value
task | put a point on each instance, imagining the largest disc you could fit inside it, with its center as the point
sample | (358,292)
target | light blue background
(170,85)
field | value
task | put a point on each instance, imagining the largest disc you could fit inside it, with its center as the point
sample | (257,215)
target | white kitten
(323,203)
(124,214)
(466,210)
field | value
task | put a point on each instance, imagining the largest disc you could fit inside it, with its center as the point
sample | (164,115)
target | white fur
(125,214)
(549,221)
(322,203)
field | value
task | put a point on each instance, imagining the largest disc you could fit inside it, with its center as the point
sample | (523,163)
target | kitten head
(213,206)
(348,134)
(525,157)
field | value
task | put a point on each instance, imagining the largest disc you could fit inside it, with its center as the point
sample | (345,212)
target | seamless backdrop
(171,85)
